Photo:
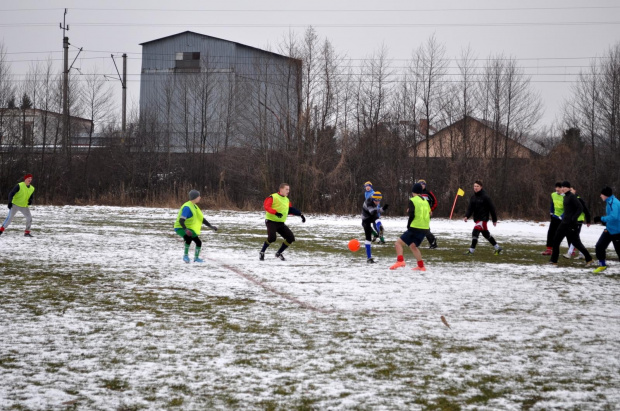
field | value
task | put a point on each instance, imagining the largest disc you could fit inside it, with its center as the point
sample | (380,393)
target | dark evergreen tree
(11,102)
(26,102)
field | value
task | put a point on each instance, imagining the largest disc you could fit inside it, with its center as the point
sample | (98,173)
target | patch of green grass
(175,402)
(490,387)
(115,384)
(8,361)
(305,404)
(386,371)
(460,348)
(441,403)
(284,390)
(268,405)
(52,367)
(129,407)
(530,402)
(365,364)
(559,347)
(244,361)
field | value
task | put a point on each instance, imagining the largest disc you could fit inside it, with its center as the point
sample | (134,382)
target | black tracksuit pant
(553,227)
(603,243)
(572,235)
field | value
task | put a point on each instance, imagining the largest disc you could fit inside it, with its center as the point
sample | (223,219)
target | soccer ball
(354,245)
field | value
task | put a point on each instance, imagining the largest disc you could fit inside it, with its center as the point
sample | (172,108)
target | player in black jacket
(432,201)
(371,210)
(481,206)
(584,216)
(568,226)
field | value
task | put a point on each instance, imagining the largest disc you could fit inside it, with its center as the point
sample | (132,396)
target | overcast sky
(551,39)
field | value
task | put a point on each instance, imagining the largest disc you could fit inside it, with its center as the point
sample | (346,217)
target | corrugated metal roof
(217,38)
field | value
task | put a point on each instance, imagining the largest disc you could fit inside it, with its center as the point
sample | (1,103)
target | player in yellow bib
(20,199)
(188,224)
(418,226)
(277,207)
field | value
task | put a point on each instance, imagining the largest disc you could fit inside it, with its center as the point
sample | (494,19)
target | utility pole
(123,80)
(65,86)
(124,124)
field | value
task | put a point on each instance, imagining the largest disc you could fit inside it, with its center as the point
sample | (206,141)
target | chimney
(423,126)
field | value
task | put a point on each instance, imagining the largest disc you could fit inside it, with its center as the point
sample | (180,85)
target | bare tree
(96,99)
(6,91)
(510,106)
(593,112)
(431,64)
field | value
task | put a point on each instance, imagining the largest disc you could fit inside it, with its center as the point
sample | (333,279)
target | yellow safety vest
(558,204)
(23,195)
(422,218)
(194,223)
(582,216)
(281,205)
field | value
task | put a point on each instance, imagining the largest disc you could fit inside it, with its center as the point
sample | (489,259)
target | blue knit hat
(417,188)
(377,196)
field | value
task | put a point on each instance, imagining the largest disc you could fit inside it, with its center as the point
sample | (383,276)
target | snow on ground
(100,312)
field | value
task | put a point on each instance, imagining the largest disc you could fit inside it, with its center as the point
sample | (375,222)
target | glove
(303,219)
(10,205)
(597,219)
(385,207)
(188,232)
(214,228)
(279,215)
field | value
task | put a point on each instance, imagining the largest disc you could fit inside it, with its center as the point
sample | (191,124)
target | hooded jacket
(612,217)
(481,206)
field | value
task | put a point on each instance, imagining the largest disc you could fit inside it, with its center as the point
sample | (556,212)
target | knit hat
(417,188)
(377,195)
(422,182)
(367,183)
(194,194)
(606,191)
(27,176)
(566,184)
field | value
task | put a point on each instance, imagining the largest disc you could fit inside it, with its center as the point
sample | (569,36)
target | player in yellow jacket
(277,208)
(20,199)
(188,224)
(418,226)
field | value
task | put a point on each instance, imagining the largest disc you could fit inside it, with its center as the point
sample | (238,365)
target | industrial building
(202,94)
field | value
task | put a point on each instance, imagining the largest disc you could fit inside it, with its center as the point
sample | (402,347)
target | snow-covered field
(98,311)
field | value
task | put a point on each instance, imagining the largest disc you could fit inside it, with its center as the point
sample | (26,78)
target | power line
(321,10)
(324,25)
(230,57)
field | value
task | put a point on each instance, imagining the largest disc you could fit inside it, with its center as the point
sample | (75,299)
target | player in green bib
(277,207)
(418,226)
(188,224)
(20,199)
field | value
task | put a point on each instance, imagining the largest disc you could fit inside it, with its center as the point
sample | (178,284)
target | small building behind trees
(202,94)
(36,128)
(471,137)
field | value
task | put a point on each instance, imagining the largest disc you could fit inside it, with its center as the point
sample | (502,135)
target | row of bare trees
(325,126)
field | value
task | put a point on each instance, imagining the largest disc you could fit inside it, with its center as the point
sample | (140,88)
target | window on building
(187,61)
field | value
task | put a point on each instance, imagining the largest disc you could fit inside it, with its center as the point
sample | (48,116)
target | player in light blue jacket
(611,234)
